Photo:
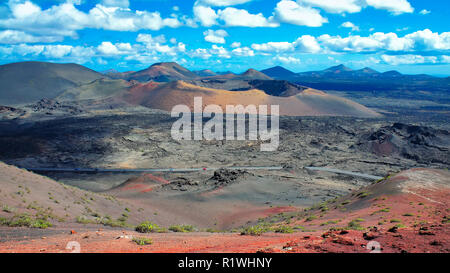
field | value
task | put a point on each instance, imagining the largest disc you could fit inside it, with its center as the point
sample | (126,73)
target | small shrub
(310,218)
(255,230)
(284,229)
(182,228)
(148,227)
(142,241)
(355,224)
(7,209)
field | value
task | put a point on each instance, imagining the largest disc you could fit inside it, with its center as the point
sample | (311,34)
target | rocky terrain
(121,123)
(400,214)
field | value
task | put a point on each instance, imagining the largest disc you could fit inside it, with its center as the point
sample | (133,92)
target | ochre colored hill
(308,103)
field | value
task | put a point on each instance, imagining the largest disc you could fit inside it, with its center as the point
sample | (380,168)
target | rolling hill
(162,72)
(27,82)
(310,102)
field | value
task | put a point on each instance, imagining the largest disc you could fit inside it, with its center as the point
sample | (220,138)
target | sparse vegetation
(142,241)
(355,224)
(148,227)
(255,230)
(284,229)
(182,228)
(7,209)
(25,220)
(310,218)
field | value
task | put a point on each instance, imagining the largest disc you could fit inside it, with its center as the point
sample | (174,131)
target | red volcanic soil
(406,213)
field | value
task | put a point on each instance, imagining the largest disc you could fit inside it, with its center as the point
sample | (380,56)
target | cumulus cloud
(65,19)
(393,6)
(287,60)
(336,6)
(350,25)
(415,59)
(216,37)
(236,44)
(107,48)
(206,53)
(425,12)
(18,37)
(291,12)
(155,45)
(115,3)
(205,15)
(424,40)
(222,3)
(419,41)
(243,51)
(241,17)
(305,43)
(78,54)
(353,6)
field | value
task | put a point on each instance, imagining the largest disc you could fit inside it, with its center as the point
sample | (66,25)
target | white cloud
(222,3)
(18,37)
(215,50)
(236,44)
(419,41)
(353,6)
(109,49)
(425,12)
(274,47)
(428,40)
(415,59)
(335,6)
(241,17)
(350,25)
(243,51)
(65,19)
(155,45)
(205,15)
(291,12)
(24,9)
(287,60)
(394,6)
(424,40)
(216,37)
(53,52)
(305,44)
(115,3)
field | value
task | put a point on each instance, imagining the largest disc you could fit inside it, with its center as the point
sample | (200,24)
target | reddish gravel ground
(406,213)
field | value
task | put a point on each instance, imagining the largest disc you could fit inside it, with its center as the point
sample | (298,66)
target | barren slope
(308,103)
(28,82)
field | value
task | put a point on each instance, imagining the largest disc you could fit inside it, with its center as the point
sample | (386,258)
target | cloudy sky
(411,36)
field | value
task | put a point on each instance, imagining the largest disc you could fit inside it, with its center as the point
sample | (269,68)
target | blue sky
(411,36)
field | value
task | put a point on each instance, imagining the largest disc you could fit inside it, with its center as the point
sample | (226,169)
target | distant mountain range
(343,78)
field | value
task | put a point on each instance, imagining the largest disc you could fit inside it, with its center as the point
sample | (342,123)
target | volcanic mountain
(254,75)
(278,72)
(310,102)
(205,73)
(343,78)
(163,72)
(27,82)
